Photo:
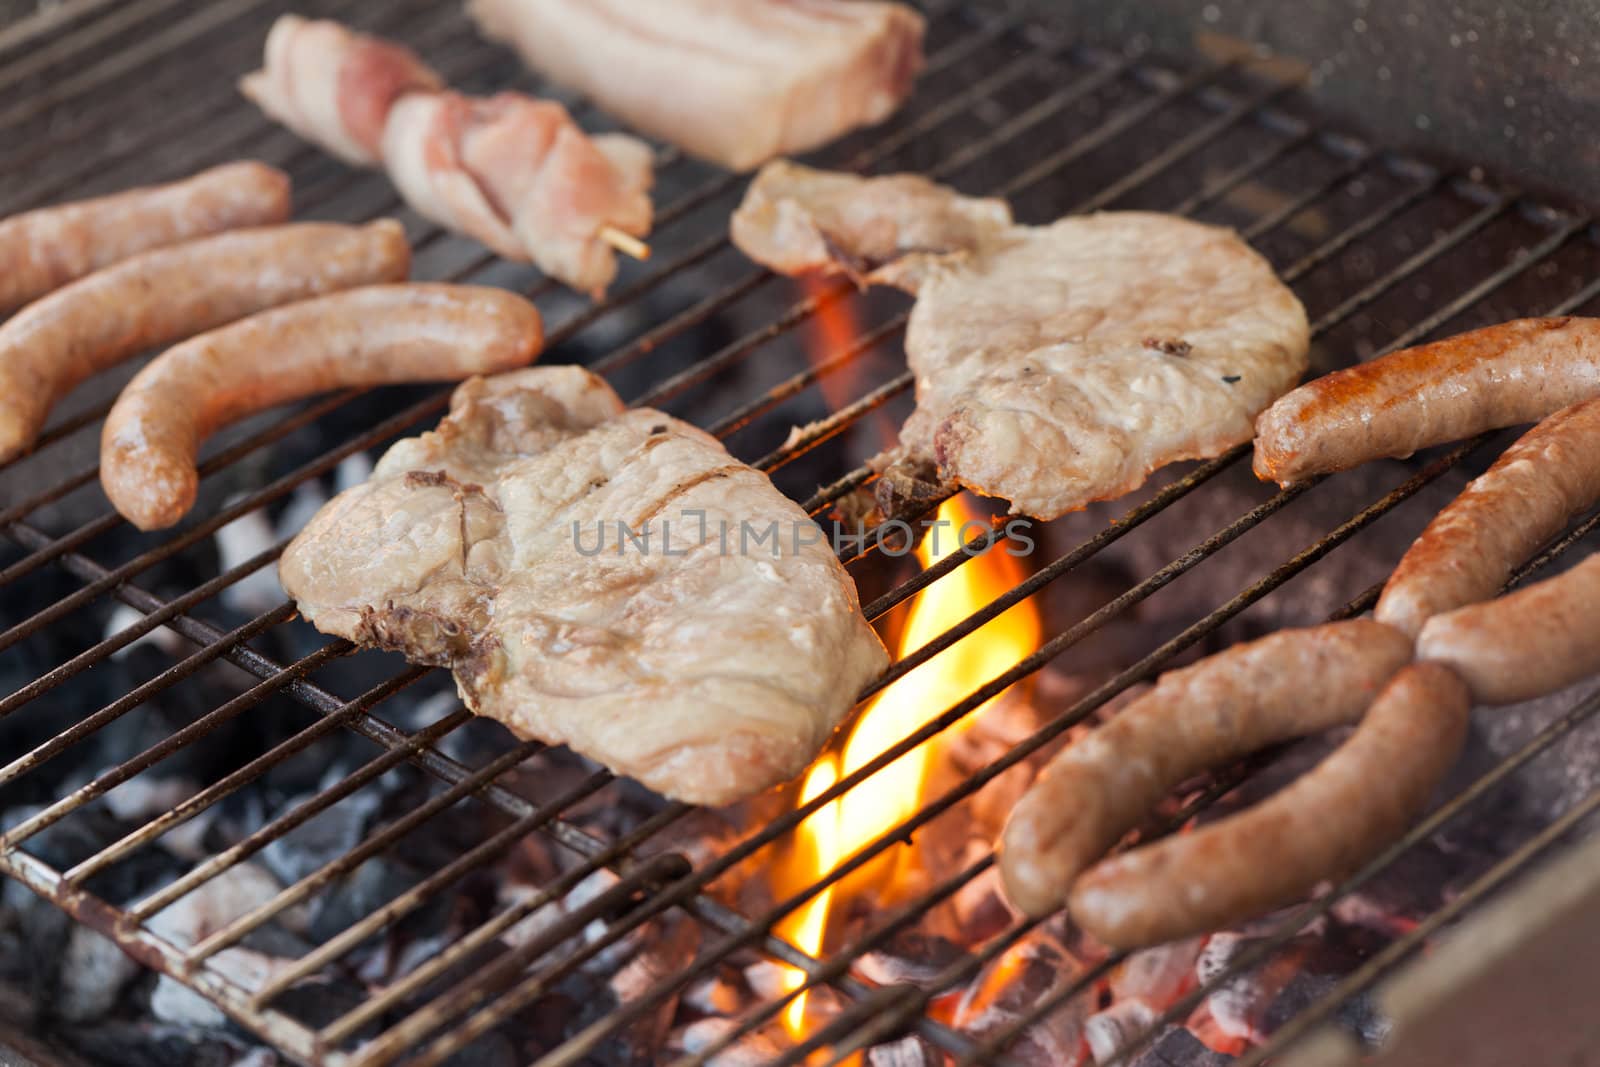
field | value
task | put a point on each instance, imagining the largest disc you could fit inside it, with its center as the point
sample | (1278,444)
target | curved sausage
(376,335)
(1530,494)
(1525,644)
(1226,706)
(1502,375)
(167,294)
(1323,825)
(44,249)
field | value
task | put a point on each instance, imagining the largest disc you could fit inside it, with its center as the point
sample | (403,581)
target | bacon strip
(333,86)
(520,176)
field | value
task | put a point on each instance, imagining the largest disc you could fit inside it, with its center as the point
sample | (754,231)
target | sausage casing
(44,249)
(164,295)
(1525,644)
(1503,375)
(374,335)
(1470,549)
(1228,705)
(1324,824)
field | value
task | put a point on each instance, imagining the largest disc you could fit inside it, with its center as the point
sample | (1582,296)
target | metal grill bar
(585,1041)
(671,885)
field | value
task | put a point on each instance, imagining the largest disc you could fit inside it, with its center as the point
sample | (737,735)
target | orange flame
(830,333)
(894,793)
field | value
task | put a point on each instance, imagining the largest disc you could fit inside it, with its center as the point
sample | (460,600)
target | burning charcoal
(713,995)
(93,973)
(752,1050)
(141,799)
(1032,969)
(980,907)
(767,980)
(1156,975)
(661,957)
(1180,1048)
(1109,1031)
(909,1051)
(911,957)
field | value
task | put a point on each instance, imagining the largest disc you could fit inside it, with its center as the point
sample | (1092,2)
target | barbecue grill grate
(1385,252)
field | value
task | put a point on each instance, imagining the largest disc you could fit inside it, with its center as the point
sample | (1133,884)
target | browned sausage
(45,249)
(170,293)
(1323,825)
(1470,549)
(362,337)
(1525,644)
(1502,375)
(1203,716)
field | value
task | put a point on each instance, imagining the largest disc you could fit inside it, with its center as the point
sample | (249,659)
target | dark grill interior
(1384,251)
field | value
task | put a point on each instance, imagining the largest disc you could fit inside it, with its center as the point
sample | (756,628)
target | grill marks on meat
(1055,365)
(736,82)
(709,675)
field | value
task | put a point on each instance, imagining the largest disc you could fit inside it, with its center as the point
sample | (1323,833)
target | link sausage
(1530,494)
(1323,825)
(171,293)
(375,335)
(1502,375)
(1525,644)
(1283,686)
(44,249)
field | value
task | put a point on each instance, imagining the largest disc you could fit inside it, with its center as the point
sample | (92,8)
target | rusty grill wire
(1021,92)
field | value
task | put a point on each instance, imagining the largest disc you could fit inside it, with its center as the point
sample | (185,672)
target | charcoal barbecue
(101,627)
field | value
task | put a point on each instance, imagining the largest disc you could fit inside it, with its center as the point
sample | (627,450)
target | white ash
(1156,975)
(752,1050)
(1109,1031)
(908,1051)
(767,980)
(162,637)
(200,914)
(94,971)
(713,995)
(242,539)
(306,500)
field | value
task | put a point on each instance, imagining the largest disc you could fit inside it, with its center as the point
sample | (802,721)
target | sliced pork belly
(736,82)
(518,174)
(706,667)
(885,230)
(333,86)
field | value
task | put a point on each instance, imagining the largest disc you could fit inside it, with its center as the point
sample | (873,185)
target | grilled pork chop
(1059,365)
(705,663)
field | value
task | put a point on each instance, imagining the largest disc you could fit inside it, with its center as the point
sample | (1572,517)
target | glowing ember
(886,798)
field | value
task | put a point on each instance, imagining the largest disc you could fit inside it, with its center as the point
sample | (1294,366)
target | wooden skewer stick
(626,243)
